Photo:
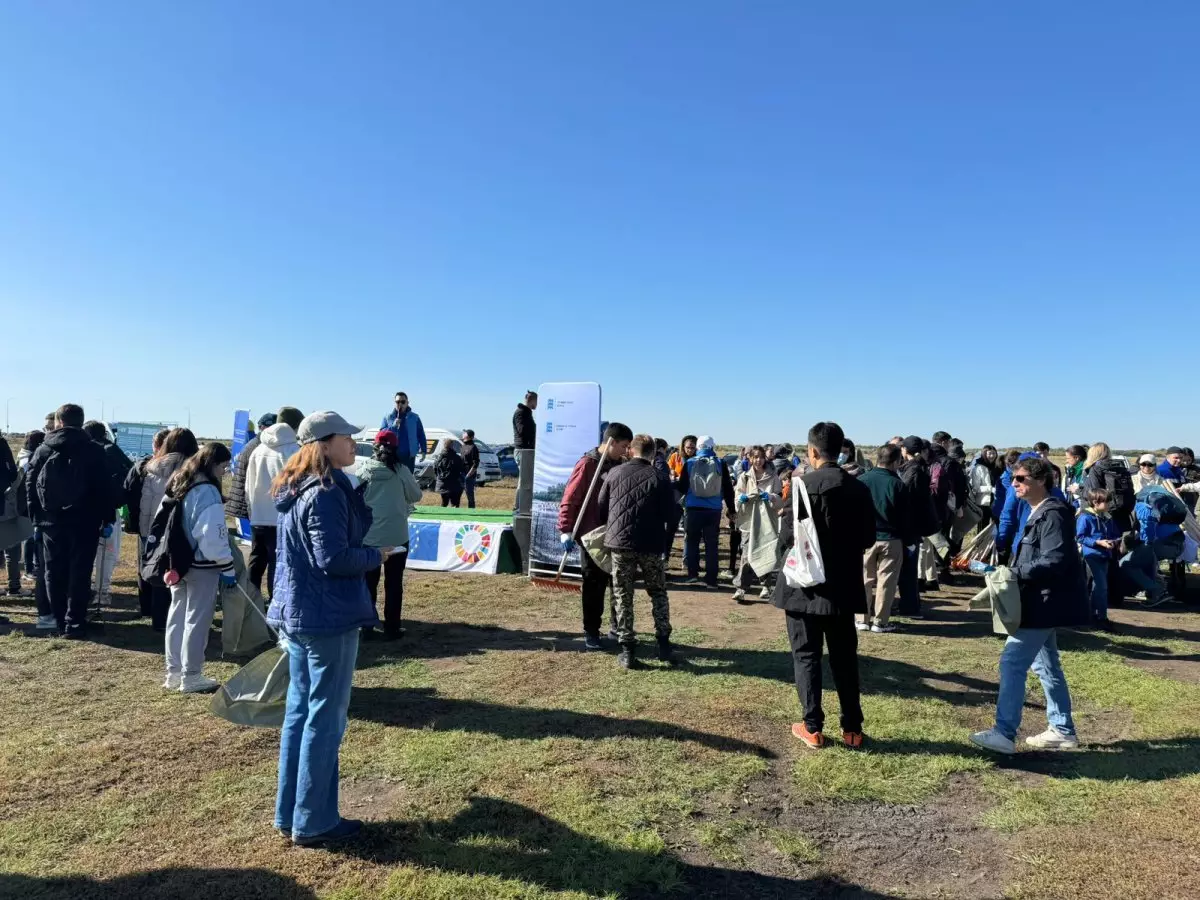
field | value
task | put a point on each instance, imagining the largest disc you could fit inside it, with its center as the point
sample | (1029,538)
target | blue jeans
(1098,566)
(1141,568)
(1036,647)
(469,484)
(321,668)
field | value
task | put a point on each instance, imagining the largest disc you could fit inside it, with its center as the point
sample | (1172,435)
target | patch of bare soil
(867,850)
(371,799)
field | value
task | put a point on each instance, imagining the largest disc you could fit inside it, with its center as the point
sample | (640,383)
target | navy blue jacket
(1049,569)
(319,584)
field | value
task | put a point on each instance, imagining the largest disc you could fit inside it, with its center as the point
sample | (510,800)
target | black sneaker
(75,633)
(347,828)
(665,653)
(591,641)
(626,659)
(1107,625)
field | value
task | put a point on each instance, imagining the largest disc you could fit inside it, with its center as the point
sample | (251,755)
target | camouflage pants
(625,570)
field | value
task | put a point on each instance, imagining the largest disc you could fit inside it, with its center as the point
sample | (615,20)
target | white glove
(565,539)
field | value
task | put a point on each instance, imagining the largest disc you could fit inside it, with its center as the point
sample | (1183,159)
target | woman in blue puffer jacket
(319,605)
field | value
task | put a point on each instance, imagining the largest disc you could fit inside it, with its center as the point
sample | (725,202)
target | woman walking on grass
(320,603)
(197,485)
(389,489)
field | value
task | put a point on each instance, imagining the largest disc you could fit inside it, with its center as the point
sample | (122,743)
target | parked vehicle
(489,463)
(508,460)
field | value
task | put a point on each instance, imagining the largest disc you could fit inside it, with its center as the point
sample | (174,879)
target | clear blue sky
(739,218)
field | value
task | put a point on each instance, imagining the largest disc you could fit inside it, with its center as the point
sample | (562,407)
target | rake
(557,584)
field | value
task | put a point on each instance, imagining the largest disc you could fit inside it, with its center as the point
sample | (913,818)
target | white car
(489,462)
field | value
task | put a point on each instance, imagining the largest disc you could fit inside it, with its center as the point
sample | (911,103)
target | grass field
(495,759)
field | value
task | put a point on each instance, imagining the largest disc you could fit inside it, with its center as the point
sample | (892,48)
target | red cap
(387,437)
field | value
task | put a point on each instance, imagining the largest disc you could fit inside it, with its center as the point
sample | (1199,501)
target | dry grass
(494,759)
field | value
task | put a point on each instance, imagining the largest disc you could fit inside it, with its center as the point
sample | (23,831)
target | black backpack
(62,482)
(1166,507)
(167,546)
(1120,483)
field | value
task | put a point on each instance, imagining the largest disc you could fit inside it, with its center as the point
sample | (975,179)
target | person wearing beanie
(289,415)
(1146,474)
(276,445)
(237,506)
(1171,468)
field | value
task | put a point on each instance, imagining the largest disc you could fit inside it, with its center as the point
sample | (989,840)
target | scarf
(1075,473)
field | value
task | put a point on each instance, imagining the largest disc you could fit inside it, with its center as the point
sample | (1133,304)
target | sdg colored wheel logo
(472,544)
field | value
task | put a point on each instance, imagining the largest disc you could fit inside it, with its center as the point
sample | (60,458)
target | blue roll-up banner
(569,423)
(241,437)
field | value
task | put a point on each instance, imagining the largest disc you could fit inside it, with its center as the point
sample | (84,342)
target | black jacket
(636,501)
(951,479)
(449,470)
(1112,475)
(236,505)
(118,467)
(133,494)
(845,517)
(470,456)
(1049,569)
(524,429)
(96,507)
(8,466)
(918,501)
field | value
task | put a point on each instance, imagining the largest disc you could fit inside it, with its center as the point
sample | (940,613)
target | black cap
(913,444)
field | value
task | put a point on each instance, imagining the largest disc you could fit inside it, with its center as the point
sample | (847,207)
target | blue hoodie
(1015,511)
(694,502)
(410,433)
(319,584)
(1090,527)
(1171,473)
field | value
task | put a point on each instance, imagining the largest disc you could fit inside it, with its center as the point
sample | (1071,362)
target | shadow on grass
(1149,760)
(504,839)
(160,884)
(423,708)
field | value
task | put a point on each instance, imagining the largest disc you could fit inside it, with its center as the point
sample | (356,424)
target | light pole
(6,402)
(189,412)
(101,410)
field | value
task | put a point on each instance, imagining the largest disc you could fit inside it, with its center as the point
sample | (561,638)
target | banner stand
(571,428)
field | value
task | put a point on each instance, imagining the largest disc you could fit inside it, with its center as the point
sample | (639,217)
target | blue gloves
(106,532)
(743,498)
(765,496)
(228,578)
(565,540)
(745,465)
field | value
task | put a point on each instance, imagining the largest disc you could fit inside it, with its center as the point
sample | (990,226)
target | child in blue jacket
(1100,539)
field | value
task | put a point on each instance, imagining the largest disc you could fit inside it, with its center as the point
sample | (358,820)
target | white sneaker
(198,684)
(882,629)
(47,623)
(994,741)
(739,596)
(1053,739)
(862,626)
(172,681)
(764,594)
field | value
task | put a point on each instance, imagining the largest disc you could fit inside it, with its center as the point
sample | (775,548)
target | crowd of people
(324,538)
(888,530)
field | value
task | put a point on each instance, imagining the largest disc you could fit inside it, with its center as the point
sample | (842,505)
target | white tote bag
(804,566)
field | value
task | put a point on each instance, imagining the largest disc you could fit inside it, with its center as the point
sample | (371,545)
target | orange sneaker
(810,739)
(852,739)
